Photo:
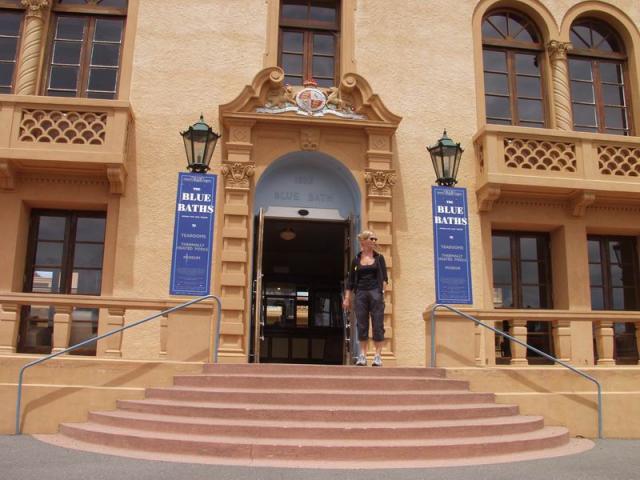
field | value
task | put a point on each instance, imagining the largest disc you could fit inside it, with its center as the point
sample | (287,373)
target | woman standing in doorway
(368,280)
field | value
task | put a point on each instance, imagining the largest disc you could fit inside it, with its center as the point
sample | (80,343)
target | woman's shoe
(377,361)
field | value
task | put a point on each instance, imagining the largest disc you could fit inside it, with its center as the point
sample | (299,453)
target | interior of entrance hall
(303,267)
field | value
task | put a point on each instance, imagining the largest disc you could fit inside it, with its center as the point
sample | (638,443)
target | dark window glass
(513,78)
(625,343)
(498,107)
(10,33)
(597,79)
(292,10)
(613,273)
(521,270)
(522,279)
(86,49)
(494,61)
(292,42)
(583,92)
(308,38)
(65,256)
(496,83)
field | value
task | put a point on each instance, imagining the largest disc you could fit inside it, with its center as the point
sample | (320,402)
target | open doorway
(303,269)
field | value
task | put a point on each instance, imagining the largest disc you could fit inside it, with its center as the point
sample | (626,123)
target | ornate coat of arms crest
(309,101)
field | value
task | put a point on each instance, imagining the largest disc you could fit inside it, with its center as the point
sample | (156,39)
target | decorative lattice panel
(53,126)
(617,160)
(540,155)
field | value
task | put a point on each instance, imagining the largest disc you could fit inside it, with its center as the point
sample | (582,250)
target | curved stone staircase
(318,416)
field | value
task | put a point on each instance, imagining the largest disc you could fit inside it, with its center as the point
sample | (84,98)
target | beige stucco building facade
(402,72)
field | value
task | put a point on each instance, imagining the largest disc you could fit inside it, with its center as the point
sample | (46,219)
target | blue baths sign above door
(451,245)
(193,234)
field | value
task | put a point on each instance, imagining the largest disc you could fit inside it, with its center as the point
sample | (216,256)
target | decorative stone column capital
(35,8)
(380,182)
(237,175)
(558,50)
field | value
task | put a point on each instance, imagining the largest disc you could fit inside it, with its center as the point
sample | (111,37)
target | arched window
(512,53)
(597,70)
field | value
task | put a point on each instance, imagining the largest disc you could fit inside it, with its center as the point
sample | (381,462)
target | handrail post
(216,340)
(524,344)
(108,334)
(433,337)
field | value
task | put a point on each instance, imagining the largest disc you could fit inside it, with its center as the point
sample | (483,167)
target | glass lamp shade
(199,143)
(287,234)
(445,156)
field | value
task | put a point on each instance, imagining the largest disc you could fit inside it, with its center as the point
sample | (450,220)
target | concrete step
(325,370)
(346,413)
(312,415)
(318,397)
(318,430)
(301,382)
(312,448)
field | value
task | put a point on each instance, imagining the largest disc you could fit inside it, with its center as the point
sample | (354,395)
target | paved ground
(25,458)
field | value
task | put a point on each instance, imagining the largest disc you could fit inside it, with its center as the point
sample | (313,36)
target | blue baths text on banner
(193,234)
(451,245)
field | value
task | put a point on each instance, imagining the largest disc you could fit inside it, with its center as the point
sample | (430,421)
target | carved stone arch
(533,9)
(268,119)
(608,13)
(545,23)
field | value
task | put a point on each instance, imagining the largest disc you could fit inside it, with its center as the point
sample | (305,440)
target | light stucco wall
(188,58)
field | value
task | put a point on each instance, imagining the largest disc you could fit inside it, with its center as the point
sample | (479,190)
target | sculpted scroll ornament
(35,8)
(380,182)
(558,50)
(281,97)
(237,175)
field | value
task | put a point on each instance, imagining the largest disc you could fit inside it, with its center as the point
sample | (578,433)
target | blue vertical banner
(193,234)
(452,254)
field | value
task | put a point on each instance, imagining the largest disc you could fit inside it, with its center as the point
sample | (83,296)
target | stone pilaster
(604,343)
(61,328)
(379,180)
(518,352)
(235,282)
(9,325)
(561,94)
(27,77)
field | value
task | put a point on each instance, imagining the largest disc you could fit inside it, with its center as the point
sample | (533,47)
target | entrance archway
(261,128)
(307,205)
(308,180)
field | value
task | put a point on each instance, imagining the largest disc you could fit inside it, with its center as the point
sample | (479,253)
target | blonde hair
(366,234)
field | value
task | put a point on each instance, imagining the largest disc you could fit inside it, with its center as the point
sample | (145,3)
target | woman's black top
(367,277)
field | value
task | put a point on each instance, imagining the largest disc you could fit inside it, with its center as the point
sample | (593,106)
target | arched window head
(512,56)
(596,36)
(597,71)
(509,26)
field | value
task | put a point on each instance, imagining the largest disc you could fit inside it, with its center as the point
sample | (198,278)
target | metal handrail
(513,339)
(216,342)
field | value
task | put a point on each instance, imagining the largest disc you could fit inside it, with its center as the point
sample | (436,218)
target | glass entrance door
(302,272)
